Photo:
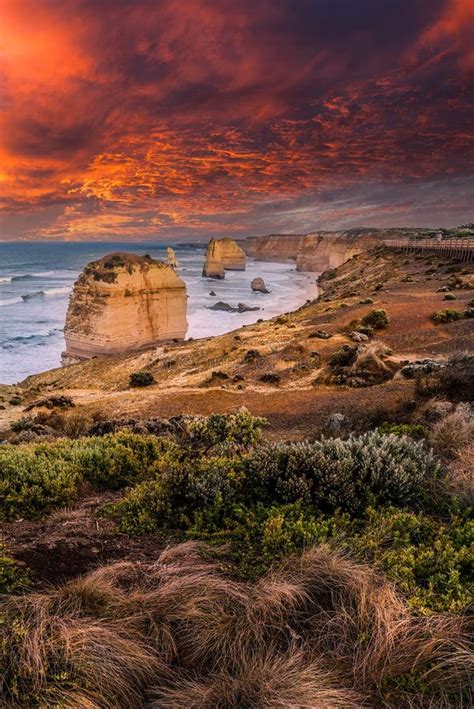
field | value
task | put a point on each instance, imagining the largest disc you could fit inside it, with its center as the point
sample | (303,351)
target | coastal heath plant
(344,474)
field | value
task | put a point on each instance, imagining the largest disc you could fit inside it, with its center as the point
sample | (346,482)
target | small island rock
(258,285)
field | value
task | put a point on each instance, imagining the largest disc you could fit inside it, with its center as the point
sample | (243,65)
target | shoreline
(289,289)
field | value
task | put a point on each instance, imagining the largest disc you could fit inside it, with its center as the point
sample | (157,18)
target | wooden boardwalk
(461,248)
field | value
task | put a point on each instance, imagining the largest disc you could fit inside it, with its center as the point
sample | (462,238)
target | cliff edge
(121,303)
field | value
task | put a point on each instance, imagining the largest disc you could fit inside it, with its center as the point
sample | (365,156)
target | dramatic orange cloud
(183,117)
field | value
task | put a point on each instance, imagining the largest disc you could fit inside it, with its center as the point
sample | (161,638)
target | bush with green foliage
(413,430)
(378,319)
(429,559)
(13,577)
(447,315)
(344,474)
(35,478)
(141,379)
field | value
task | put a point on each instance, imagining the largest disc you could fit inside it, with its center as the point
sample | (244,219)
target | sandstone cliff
(121,303)
(171,257)
(274,247)
(223,255)
(316,251)
(321,251)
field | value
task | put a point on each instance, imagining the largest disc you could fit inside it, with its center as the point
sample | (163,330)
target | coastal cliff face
(320,252)
(316,251)
(223,255)
(274,247)
(122,303)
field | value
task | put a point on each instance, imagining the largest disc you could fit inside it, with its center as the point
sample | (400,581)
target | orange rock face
(223,255)
(123,303)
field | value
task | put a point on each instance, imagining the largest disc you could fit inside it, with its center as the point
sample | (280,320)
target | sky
(170,119)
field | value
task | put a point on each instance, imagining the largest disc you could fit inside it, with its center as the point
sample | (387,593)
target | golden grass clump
(323,631)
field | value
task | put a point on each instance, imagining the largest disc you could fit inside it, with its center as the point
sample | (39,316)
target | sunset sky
(162,119)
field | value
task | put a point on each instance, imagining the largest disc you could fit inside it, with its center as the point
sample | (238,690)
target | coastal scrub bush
(413,430)
(35,478)
(141,379)
(13,578)
(378,319)
(344,474)
(197,494)
(446,315)
(238,431)
(270,378)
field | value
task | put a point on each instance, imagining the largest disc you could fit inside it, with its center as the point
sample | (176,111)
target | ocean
(36,280)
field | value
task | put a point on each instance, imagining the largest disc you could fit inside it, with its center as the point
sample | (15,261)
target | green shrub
(237,431)
(447,315)
(449,296)
(251,355)
(413,430)
(344,474)
(13,578)
(270,378)
(188,494)
(378,319)
(366,301)
(35,478)
(141,379)
(430,560)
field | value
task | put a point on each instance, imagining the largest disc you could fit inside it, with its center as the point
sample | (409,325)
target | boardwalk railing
(461,248)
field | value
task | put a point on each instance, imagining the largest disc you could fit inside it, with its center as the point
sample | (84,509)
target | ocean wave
(38,339)
(30,296)
(60,274)
(57,291)
(12,301)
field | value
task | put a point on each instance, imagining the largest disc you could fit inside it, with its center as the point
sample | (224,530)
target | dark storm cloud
(145,118)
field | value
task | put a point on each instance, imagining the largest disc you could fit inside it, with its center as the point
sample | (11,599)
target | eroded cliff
(122,303)
(223,255)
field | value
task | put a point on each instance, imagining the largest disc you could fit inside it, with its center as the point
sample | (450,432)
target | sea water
(36,280)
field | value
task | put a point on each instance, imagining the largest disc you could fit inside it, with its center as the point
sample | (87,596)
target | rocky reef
(121,303)
(223,255)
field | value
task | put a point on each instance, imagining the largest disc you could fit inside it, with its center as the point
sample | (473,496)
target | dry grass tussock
(454,432)
(461,474)
(322,632)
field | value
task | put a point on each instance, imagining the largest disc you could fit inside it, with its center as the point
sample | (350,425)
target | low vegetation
(321,631)
(336,572)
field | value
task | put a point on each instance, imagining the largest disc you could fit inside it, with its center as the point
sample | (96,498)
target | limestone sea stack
(121,303)
(258,285)
(223,255)
(171,257)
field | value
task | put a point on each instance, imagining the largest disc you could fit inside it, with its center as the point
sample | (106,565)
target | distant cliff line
(321,250)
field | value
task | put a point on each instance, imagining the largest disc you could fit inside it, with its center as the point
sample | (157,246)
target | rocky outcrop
(226,308)
(123,303)
(258,285)
(171,257)
(223,255)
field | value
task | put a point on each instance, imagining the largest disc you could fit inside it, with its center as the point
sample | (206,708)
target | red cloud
(130,118)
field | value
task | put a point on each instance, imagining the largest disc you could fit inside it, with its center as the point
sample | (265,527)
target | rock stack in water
(123,303)
(223,255)
(171,257)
